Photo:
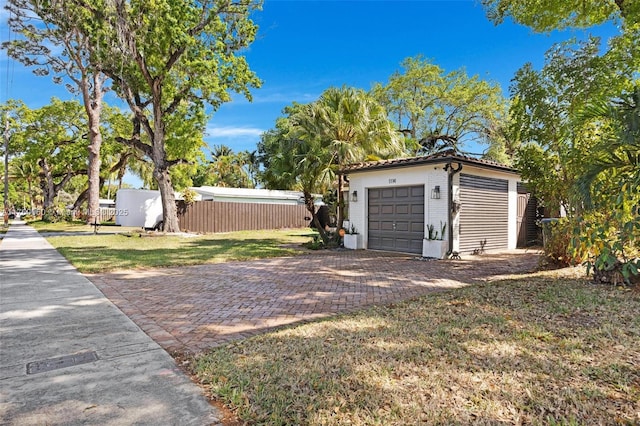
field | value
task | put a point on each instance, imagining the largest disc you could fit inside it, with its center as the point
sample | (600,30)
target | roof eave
(427,161)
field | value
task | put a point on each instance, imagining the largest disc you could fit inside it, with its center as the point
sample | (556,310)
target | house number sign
(392,181)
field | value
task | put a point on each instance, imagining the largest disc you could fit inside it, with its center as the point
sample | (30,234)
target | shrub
(333,241)
(558,250)
(189,196)
(51,215)
(316,243)
(610,241)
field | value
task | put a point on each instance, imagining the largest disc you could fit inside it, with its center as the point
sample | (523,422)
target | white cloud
(233,132)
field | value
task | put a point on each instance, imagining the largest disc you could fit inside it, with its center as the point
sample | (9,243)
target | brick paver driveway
(192,308)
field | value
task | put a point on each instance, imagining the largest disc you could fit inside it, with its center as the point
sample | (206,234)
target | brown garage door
(484,214)
(396,219)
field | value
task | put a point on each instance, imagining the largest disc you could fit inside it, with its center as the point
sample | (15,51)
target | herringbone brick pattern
(193,308)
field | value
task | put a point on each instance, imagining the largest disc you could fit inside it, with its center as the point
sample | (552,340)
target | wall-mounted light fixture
(435,192)
(354,196)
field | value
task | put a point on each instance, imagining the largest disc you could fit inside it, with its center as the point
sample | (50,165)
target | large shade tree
(578,118)
(53,139)
(545,16)
(168,59)
(12,114)
(555,142)
(53,40)
(442,110)
(558,139)
(115,157)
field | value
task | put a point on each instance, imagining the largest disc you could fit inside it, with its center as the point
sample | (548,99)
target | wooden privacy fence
(106,214)
(221,216)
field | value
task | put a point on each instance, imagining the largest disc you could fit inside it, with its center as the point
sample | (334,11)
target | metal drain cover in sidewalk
(61,362)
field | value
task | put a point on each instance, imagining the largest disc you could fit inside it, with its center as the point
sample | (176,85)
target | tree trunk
(93,106)
(169,209)
(83,197)
(121,168)
(47,185)
(413,123)
(162,177)
(311,208)
(161,164)
(50,189)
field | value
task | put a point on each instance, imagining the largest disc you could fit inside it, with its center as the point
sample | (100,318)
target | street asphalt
(68,356)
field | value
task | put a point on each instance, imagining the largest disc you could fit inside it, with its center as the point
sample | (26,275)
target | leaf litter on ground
(542,348)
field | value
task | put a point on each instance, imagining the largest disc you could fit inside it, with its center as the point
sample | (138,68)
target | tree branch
(171,163)
(135,141)
(65,179)
(176,100)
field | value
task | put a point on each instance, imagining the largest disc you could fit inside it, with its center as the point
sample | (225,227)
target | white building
(394,203)
(249,195)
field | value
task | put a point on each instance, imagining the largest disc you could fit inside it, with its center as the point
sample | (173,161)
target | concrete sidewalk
(69,356)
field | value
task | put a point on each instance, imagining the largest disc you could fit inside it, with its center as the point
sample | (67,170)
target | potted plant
(434,245)
(352,238)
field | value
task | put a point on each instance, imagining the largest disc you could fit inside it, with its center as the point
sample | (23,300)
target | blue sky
(304,47)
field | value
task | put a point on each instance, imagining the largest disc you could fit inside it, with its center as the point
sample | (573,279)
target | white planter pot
(435,249)
(352,241)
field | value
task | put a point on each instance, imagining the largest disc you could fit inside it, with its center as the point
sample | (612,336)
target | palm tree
(229,169)
(251,164)
(221,151)
(302,165)
(345,126)
(612,175)
(27,171)
(143,169)
(619,155)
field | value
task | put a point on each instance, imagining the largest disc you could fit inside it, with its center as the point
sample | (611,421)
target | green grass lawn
(79,226)
(62,226)
(104,252)
(545,348)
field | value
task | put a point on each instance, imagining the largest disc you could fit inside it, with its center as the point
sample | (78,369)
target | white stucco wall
(513,212)
(428,175)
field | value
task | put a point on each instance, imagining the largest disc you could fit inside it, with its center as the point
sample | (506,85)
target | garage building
(393,203)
